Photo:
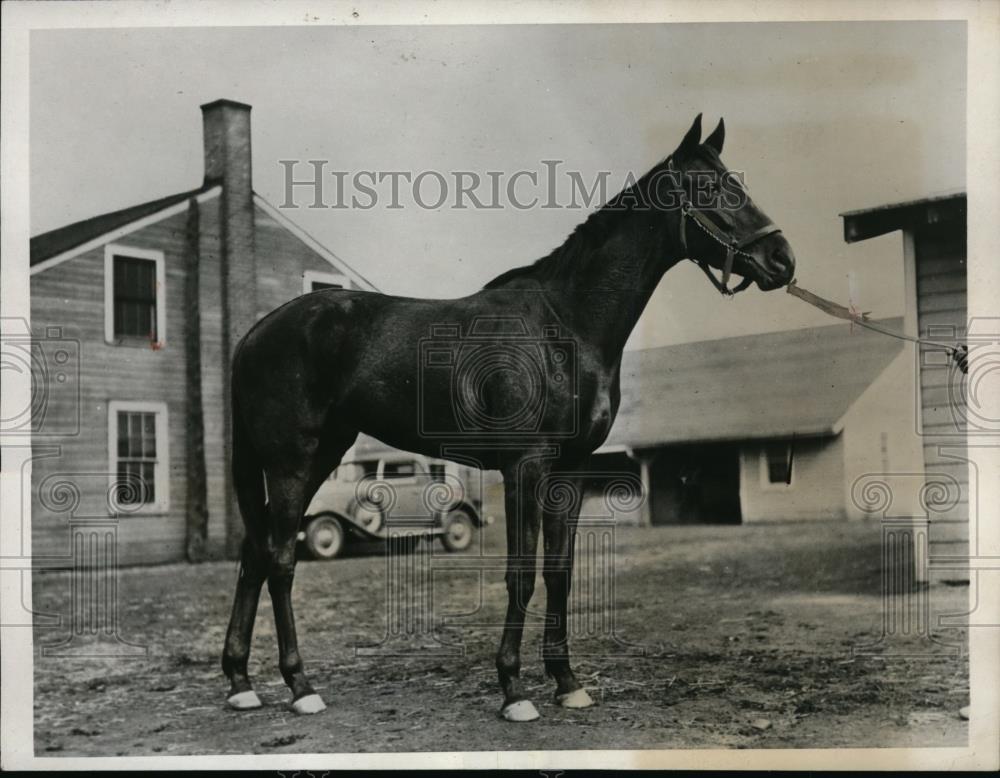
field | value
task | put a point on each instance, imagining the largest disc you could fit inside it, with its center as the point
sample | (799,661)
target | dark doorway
(696,484)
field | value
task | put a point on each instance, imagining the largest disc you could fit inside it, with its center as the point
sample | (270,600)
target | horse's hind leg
(289,494)
(286,502)
(236,655)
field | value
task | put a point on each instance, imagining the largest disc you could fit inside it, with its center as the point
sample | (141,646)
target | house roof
(59,244)
(778,384)
(867,223)
(54,242)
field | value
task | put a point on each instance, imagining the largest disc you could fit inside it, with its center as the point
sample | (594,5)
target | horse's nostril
(782,261)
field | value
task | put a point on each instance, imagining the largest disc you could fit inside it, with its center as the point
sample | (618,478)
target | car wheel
(459,530)
(325,537)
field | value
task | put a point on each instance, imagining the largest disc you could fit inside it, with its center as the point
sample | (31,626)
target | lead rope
(861,319)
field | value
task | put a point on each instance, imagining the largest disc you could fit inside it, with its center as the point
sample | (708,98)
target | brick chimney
(227,143)
(227,162)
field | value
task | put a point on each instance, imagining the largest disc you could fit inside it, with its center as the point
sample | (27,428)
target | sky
(821,118)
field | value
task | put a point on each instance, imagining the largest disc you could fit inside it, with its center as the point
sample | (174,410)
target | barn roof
(797,382)
(864,223)
(49,244)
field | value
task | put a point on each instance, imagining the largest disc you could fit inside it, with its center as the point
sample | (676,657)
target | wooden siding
(70,297)
(816,491)
(282,259)
(941,315)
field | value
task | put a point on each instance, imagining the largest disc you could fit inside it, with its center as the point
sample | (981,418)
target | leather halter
(732,245)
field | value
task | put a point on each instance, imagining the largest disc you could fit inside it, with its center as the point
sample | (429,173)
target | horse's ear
(717,138)
(693,138)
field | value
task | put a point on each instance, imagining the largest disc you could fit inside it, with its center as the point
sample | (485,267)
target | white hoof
(575,699)
(311,703)
(522,710)
(244,700)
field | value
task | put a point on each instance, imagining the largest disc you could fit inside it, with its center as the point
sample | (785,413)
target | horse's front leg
(561,499)
(523,517)
(286,503)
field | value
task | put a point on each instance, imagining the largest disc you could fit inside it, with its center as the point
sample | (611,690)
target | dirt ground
(750,637)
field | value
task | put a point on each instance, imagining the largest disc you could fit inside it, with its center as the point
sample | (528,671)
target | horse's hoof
(311,703)
(244,700)
(522,710)
(575,699)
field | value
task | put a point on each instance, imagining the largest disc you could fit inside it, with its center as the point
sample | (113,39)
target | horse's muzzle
(778,270)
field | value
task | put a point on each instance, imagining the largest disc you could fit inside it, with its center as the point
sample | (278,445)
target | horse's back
(359,355)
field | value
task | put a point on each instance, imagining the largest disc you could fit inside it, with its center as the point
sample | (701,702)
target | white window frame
(765,479)
(161,477)
(324,278)
(113,250)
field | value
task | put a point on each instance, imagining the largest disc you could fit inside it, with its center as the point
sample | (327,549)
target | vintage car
(394,495)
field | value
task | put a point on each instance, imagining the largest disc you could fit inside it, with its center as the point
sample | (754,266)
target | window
(137,442)
(355,471)
(134,296)
(402,469)
(776,464)
(313,281)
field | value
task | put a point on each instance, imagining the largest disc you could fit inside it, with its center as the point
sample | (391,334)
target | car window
(355,471)
(405,468)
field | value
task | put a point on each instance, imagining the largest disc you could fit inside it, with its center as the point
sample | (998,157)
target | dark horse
(322,368)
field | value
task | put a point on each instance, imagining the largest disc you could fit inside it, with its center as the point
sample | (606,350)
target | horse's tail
(248,472)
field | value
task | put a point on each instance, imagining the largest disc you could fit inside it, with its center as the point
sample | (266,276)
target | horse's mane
(586,236)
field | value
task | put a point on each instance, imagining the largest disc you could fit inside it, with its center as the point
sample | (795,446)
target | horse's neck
(611,284)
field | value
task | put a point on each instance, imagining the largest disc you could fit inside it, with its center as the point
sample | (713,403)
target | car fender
(474,514)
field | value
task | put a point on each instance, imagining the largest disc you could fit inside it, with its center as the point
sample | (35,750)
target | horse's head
(719,224)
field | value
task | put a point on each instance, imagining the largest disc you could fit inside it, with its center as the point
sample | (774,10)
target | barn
(135,314)
(771,427)
(934,237)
